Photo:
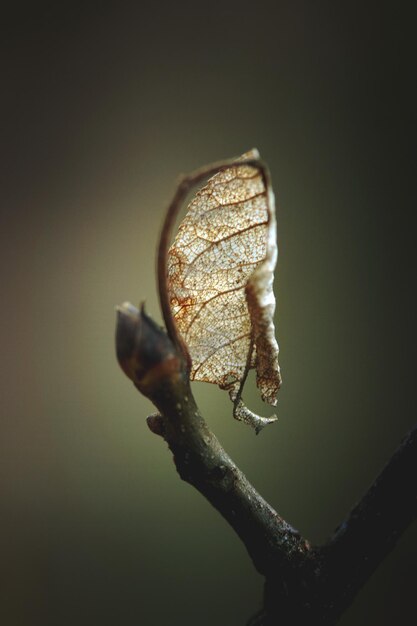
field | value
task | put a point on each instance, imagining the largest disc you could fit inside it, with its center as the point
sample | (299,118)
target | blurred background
(103,106)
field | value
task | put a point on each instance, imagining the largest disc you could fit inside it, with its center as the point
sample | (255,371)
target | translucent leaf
(220,274)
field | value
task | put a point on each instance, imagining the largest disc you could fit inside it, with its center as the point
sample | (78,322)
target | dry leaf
(220,274)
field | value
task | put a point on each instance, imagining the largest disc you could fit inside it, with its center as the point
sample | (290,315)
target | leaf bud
(144,351)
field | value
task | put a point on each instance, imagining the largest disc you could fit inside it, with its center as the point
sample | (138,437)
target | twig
(304,584)
(373,527)
(198,455)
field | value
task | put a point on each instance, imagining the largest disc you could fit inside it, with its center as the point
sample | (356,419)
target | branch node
(155,424)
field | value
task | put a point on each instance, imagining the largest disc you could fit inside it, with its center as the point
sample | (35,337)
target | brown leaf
(220,275)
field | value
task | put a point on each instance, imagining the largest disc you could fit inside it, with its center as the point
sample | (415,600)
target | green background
(102,108)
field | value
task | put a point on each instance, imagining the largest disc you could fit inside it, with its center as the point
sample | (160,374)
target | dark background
(102,107)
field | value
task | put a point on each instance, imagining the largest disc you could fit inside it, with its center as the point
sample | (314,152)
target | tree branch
(198,455)
(302,582)
(374,525)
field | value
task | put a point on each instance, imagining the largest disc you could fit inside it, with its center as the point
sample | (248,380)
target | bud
(144,351)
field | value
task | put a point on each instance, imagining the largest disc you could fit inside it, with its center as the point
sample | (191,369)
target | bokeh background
(103,106)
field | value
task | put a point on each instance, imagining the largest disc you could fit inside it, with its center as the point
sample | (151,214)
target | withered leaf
(220,275)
